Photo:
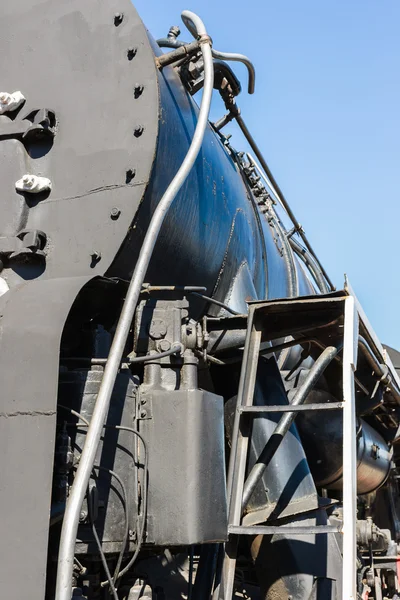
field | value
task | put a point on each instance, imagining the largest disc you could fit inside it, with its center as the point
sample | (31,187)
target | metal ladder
(321,307)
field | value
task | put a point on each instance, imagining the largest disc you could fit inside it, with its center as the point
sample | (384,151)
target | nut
(157,329)
(115,213)
(164,345)
(131,53)
(138,90)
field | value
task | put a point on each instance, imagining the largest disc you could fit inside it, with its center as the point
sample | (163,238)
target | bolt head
(158,329)
(131,53)
(138,90)
(27,180)
(95,256)
(130,174)
(115,213)
(164,345)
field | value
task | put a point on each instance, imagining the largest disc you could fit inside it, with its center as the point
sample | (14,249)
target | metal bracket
(37,125)
(144,406)
(26,244)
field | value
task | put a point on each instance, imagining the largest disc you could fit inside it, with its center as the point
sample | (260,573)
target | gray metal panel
(32,319)
(185,436)
(71,57)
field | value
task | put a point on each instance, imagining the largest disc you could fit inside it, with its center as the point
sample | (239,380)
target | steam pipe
(311,263)
(286,421)
(71,518)
(281,197)
(378,368)
(229,56)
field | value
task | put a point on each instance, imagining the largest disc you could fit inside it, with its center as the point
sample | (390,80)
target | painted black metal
(117,451)
(287,487)
(286,421)
(116,134)
(325,459)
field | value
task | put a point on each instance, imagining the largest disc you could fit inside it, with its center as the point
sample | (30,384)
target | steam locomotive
(189,407)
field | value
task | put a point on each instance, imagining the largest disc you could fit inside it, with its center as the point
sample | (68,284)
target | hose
(71,517)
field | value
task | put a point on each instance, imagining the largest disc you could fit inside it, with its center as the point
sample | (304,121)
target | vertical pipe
(71,517)
(349,451)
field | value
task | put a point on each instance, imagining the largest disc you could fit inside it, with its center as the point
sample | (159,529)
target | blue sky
(326,114)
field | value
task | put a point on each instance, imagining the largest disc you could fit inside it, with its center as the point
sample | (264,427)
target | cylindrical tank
(322,439)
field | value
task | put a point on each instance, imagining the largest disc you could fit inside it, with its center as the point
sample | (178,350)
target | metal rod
(291,408)
(286,421)
(71,518)
(283,530)
(279,193)
(311,263)
(220,124)
(216,302)
(205,572)
(377,367)
(147,288)
(128,361)
(238,454)
(180,52)
(350,335)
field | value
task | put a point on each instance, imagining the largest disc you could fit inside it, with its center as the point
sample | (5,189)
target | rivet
(138,131)
(95,256)
(118,18)
(131,53)
(138,90)
(115,213)
(143,414)
(130,174)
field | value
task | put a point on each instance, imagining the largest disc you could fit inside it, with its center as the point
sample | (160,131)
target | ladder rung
(283,529)
(289,408)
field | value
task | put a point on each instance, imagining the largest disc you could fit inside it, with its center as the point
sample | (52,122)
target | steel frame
(346,304)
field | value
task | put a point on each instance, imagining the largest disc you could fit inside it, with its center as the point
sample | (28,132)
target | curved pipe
(312,265)
(71,518)
(229,56)
(278,192)
(286,421)
(170,43)
(377,367)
